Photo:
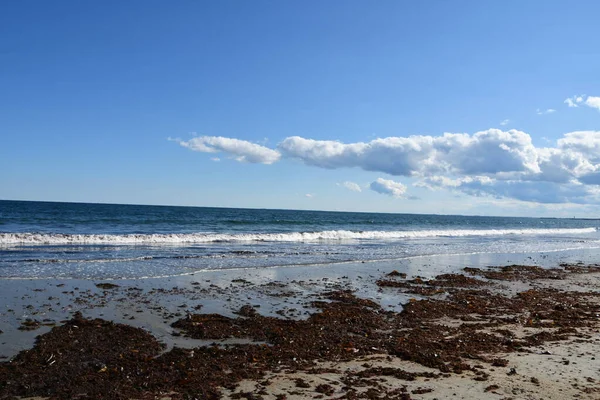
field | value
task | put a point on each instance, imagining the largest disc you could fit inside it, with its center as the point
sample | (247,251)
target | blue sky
(240,104)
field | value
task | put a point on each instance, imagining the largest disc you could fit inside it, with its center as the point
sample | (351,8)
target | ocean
(110,241)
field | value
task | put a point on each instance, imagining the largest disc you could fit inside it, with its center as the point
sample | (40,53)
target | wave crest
(337,235)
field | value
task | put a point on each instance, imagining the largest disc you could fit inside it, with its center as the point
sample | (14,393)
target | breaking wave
(333,235)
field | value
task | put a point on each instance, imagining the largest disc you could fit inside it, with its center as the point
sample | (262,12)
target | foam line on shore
(303,265)
(334,235)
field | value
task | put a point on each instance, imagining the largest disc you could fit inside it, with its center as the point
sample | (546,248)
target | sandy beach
(520,326)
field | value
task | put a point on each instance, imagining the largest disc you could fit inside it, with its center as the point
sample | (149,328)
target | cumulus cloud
(574,101)
(355,187)
(505,122)
(488,151)
(593,102)
(396,155)
(389,187)
(584,143)
(494,163)
(241,150)
(546,111)
(589,101)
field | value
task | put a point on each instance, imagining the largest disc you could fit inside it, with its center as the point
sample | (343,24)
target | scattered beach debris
(468,330)
(518,272)
(396,274)
(106,285)
(29,325)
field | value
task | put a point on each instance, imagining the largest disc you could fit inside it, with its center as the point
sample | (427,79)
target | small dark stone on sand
(491,387)
(106,286)
(247,311)
(29,325)
(499,362)
(301,383)
(395,273)
(325,389)
(422,391)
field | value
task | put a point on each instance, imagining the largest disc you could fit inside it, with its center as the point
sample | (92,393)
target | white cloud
(546,111)
(488,151)
(590,101)
(389,187)
(493,163)
(505,122)
(215,159)
(397,154)
(309,195)
(579,153)
(355,187)
(241,150)
(593,102)
(574,101)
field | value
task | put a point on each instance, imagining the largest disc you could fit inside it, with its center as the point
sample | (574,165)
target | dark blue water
(39,239)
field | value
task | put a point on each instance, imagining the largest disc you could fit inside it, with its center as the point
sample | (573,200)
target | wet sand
(432,330)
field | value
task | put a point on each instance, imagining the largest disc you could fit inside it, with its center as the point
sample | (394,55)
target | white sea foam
(339,235)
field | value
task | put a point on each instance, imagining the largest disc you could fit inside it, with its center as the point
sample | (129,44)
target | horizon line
(290,209)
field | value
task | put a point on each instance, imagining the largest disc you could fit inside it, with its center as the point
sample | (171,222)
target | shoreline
(297,294)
